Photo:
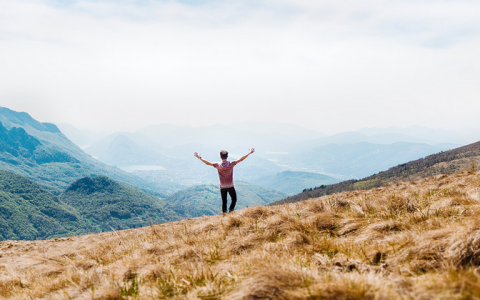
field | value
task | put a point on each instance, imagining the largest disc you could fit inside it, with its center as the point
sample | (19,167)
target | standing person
(225,173)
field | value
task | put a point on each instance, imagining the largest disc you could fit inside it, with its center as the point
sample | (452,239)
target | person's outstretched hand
(197,155)
(251,151)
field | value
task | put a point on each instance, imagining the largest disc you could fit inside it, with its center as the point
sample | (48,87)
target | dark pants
(233,195)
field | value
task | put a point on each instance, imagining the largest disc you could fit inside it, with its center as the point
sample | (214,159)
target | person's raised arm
(246,155)
(200,158)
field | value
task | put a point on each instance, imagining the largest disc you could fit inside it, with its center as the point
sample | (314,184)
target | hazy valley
(129,180)
(161,154)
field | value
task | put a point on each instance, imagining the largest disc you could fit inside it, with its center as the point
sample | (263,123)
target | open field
(411,240)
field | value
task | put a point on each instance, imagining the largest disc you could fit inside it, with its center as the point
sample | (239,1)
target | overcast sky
(326,65)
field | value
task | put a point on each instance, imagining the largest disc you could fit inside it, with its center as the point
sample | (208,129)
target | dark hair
(224,154)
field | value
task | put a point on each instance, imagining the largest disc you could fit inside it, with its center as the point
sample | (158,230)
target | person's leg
(233,195)
(223,192)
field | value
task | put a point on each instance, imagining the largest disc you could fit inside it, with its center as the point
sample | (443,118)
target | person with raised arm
(225,174)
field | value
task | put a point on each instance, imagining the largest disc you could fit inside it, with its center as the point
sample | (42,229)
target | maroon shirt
(225,173)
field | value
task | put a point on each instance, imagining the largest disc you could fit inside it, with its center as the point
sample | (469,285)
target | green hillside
(202,200)
(448,162)
(293,182)
(107,204)
(40,152)
(27,211)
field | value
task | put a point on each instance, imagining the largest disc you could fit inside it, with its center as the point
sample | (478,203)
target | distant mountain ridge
(82,138)
(17,146)
(382,137)
(358,160)
(280,147)
(448,162)
(123,151)
(427,135)
(11,118)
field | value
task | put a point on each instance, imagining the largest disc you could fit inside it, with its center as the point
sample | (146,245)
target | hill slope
(107,204)
(48,157)
(449,162)
(27,211)
(206,200)
(416,240)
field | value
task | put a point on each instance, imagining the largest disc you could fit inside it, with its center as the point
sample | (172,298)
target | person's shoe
(230,211)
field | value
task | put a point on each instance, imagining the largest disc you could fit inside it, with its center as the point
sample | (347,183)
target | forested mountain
(17,147)
(91,204)
(463,158)
(27,211)
(201,200)
(106,204)
(42,153)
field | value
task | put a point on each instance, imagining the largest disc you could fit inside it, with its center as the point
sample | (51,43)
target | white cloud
(329,65)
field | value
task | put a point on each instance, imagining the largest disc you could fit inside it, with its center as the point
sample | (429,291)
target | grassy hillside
(293,182)
(411,240)
(27,211)
(206,200)
(106,204)
(449,162)
(57,162)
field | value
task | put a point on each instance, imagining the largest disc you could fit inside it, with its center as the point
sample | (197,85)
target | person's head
(224,154)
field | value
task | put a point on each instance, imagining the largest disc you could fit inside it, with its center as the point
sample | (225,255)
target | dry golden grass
(415,240)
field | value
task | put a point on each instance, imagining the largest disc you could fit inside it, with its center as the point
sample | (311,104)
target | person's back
(225,174)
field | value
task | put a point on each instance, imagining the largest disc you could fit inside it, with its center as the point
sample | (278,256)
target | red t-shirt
(225,173)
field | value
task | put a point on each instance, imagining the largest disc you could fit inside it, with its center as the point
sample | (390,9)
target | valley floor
(415,240)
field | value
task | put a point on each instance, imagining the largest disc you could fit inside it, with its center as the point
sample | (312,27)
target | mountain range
(449,162)
(141,178)
(162,154)
(358,160)
(81,137)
